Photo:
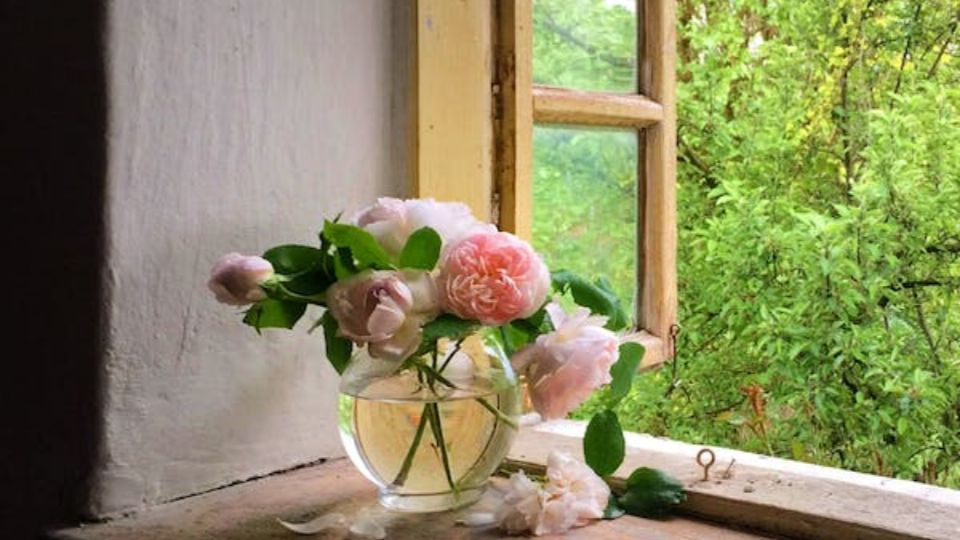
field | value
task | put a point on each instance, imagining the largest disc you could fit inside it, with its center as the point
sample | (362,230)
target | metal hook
(706,465)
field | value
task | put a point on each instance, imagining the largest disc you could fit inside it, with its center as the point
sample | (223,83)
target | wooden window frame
(476,106)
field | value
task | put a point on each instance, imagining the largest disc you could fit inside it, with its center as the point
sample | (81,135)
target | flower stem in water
(437,427)
(408,459)
(497,412)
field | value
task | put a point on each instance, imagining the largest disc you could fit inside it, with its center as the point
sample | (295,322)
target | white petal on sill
(477,519)
(530,419)
(314,526)
(368,528)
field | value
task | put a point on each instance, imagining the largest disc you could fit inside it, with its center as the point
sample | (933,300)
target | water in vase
(393,427)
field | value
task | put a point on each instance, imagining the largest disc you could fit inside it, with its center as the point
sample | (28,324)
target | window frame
(485,139)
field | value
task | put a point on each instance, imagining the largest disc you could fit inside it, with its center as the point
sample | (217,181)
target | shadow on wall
(53,157)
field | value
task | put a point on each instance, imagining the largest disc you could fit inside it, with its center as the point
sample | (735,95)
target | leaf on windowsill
(651,493)
(613,509)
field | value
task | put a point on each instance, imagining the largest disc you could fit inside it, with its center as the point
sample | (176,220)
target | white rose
(392,221)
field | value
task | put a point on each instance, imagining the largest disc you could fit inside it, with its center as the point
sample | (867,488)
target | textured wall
(233,125)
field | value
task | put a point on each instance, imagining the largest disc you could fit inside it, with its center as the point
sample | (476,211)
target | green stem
(408,459)
(456,349)
(497,412)
(432,375)
(437,427)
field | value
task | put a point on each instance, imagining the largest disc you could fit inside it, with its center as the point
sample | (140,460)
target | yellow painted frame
(476,107)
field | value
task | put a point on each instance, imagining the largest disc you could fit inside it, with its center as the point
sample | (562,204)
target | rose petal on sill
(368,528)
(530,419)
(314,526)
(477,519)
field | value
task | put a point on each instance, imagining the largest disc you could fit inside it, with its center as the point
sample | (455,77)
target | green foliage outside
(819,215)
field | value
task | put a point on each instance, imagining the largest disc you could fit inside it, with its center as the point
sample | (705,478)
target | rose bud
(565,366)
(236,278)
(494,278)
(384,309)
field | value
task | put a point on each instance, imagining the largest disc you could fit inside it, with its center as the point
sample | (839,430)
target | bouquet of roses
(402,276)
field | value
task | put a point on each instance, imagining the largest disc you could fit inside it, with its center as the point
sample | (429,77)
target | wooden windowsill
(249,511)
(778,496)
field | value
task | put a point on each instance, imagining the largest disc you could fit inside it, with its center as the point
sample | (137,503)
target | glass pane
(585,203)
(585,44)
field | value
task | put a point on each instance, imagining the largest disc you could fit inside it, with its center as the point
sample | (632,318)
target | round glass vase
(429,431)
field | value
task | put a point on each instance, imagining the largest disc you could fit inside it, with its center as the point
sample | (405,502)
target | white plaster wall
(234,125)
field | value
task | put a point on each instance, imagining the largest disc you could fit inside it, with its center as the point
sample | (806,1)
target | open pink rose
(572,497)
(494,278)
(384,309)
(392,221)
(589,493)
(235,279)
(565,366)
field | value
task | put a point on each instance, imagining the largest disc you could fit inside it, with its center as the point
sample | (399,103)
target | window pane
(585,203)
(585,44)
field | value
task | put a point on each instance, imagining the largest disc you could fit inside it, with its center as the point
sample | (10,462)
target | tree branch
(567,35)
(906,48)
(922,320)
(946,43)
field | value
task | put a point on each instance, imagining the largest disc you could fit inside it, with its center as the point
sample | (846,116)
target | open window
(482,124)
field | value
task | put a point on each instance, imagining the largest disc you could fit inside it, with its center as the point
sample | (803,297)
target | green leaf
(343,266)
(593,297)
(651,493)
(613,509)
(422,250)
(305,267)
(363,246)
(273,313)
(448,326)
(293,258)
(603,444)
(624,371)
(339,349)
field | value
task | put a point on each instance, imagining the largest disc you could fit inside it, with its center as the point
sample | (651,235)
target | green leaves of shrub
(421,250)
(597,297)
(603,444)
(651,493)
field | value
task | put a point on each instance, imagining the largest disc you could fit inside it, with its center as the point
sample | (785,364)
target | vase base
(432,502)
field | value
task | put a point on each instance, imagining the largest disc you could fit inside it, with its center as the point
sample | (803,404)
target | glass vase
(429,431)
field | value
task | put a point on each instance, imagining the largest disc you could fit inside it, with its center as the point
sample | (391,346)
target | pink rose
(494,278)
(589,493)
(392,221)
(384,309)
(236,279)
(572,497)
(565,366)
